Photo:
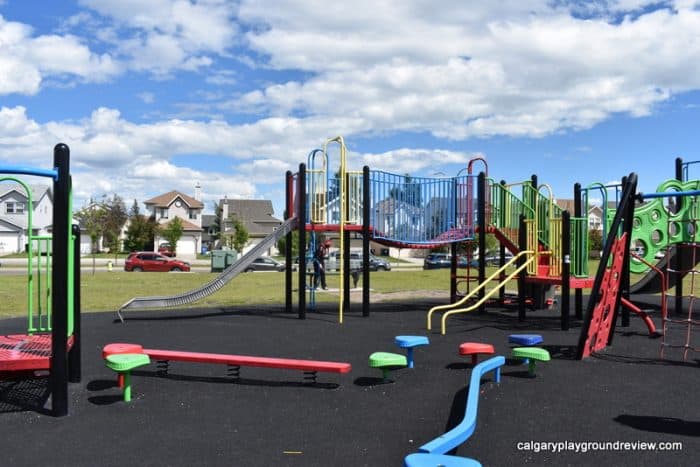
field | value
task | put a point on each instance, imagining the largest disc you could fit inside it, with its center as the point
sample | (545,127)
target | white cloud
(147,97)
(26,59)
(412,161)
(466,70)
(163,36)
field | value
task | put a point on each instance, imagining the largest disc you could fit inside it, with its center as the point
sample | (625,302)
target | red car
(154,262)
(165,249)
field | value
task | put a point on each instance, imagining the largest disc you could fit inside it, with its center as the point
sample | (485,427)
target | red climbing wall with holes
(604,311)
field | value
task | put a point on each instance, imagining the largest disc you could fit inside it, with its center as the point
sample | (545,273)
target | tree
(282,243)
(92,220)
(115,217)
(215,228)
(595,240)
(238,236)
(172,233)
(413,193)
(141,230)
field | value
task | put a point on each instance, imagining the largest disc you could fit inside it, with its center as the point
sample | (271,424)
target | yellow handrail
(454,307)
(343,215)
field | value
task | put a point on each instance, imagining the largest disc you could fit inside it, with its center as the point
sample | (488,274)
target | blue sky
(158,95)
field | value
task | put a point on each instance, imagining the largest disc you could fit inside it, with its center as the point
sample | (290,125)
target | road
(14,266)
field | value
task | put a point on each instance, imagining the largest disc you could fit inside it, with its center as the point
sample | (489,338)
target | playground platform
(199,416)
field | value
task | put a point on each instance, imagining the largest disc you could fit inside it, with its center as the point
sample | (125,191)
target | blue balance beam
(459,434)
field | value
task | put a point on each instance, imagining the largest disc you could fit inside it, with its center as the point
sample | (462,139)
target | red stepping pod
(120,348)
(475,349)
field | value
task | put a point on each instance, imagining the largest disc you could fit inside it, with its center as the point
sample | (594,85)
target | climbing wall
(603,315)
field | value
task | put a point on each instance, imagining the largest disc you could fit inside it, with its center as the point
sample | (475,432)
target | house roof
(391,205)
(186,225)
(256,214)
(207,220)
(38,192)
(568,204)
(166,199)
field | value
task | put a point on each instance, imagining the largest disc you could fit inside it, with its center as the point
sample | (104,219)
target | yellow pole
(343,216)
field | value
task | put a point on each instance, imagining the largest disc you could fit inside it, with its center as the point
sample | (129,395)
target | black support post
(346,269)
(502,194)
(366,199)
(677,262)
(522,286)
(625,282)
(481,220)
(58,379)
(453,272)
(578,208)
(301,210)
(289,212)
(565,269)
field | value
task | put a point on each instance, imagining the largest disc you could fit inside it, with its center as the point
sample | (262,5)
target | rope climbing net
(681,330)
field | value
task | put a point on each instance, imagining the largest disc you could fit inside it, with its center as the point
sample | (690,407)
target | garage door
(186,246)
(9,243)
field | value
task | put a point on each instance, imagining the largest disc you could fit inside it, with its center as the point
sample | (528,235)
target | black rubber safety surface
(593,412)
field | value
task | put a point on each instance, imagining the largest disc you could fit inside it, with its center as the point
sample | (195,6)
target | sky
(158,95)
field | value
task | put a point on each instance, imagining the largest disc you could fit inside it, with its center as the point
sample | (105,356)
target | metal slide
(217,283)
(651,281)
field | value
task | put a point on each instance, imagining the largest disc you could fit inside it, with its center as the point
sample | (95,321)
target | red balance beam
(223,359)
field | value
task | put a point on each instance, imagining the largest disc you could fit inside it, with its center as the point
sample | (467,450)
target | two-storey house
(166,207)
(14,215)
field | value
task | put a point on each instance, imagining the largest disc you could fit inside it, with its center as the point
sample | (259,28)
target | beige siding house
(166,207)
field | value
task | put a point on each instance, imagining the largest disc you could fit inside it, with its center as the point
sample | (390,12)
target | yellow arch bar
(455,307)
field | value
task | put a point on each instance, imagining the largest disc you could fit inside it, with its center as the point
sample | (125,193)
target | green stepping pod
(532,354)
(387,361)
(124,363)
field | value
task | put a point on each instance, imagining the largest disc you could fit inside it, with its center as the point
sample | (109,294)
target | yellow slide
(455,307)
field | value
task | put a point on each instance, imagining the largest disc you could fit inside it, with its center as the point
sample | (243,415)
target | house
(257,216)
(174,204)
(14,215)
(208,230)
(86,246)
(595,212)
(393,218)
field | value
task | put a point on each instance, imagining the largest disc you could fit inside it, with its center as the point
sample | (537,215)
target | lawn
(107,291)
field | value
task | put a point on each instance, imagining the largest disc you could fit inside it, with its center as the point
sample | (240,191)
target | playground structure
(551,246)
(422,213)
(52,341)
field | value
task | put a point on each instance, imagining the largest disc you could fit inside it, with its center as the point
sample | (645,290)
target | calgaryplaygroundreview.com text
(589,446)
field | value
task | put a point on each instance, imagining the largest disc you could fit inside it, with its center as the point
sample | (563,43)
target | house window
(163,213)
(14,208)
(193,214)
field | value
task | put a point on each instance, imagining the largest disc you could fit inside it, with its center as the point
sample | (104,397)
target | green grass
(107,291)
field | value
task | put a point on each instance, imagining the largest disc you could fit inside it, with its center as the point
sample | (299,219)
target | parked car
(333,261)
(265,263)
(661,254)
(437,261)
(462,262)
(375,263)
(495,258)
(378,264)
(166,249)
(153,262)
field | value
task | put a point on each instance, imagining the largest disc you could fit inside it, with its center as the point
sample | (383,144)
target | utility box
(231,257)
(218,260)
(221,259)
